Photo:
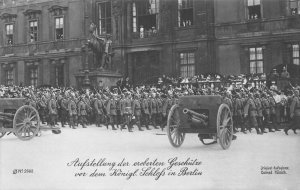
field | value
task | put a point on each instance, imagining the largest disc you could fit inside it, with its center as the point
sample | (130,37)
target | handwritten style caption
(103,167)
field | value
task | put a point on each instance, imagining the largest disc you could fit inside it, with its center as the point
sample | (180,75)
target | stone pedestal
(98,78)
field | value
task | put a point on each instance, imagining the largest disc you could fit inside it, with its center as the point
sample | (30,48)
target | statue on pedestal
(102,47)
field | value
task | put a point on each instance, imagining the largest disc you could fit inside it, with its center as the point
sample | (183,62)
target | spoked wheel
(224,126)
(176,138)
(2,133)
(26,122)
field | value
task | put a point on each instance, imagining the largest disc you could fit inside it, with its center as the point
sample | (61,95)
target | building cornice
(31,11)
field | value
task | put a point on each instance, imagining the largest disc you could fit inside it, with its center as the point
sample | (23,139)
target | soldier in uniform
(259,109)
(52,107)
(266,110)
(64,109)
(42,104)
(273,112)
(159,111)
(112,111)
(145,110)
(99,110)
(120,117)
(153,110)
(164,110)
(72,109)
(238,113)
(136,109)
(294,113)
(89,110)
(251,111)
(227,100)
(59,98)
(126,112)
(82,112)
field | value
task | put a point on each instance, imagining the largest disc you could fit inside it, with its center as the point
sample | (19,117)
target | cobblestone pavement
(239,167)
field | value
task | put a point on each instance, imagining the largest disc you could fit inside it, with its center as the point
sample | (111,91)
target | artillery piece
(20,119)
(205,115)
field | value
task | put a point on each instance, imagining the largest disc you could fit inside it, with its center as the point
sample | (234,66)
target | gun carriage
(205,115)
(20,119)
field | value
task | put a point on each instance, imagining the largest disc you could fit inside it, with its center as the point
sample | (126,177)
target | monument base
(98,78)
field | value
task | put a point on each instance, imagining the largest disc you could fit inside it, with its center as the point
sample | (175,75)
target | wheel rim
(176,138)
(26,122)
(224,126)
(2,133)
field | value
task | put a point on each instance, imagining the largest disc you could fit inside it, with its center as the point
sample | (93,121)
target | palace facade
(41,40)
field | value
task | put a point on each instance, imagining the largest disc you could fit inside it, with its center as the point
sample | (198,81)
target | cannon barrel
(195,114)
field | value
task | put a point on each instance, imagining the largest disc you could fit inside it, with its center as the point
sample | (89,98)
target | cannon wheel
(175,137)
(26,122)
(2,133)
(224,126)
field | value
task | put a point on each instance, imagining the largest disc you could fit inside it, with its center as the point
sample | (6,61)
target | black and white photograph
(149,94)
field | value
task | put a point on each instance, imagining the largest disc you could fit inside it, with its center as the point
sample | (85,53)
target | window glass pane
(191,58)
(133,9)
(293,4)
(250,2)
(296,53)
(179,4)
(252,54)
(56,22)
(253,67)
(108,9)
(259,53)
(259,67)
(256,2)
(183,71)
(295,50)
(191,70)
(296,61)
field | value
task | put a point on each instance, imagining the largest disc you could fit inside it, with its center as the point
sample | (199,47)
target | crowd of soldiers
(145,108)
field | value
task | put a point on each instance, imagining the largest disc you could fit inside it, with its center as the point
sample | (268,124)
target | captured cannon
(20,119)
(205,115)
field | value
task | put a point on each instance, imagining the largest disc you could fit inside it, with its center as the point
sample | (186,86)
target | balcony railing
(19,49)
(145,34)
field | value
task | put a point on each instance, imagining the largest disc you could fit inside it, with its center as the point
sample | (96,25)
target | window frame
(298,7)
(9,76)
(296,57)
(106,18)
(248,12)
(34,78)
(63,28)
(12,34)
(135,27)
(37,30)
(186,8)
(188,64)
(256,60)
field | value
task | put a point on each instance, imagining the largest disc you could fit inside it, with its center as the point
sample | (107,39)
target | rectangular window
(9,30)
(254,9)
(134,28)
(294,7)
(9,76)
(33,76)
(185,13)
(59,28)
(296,54)
(104,10)
(256,60)
(33,31)
(187,64)
(145,17)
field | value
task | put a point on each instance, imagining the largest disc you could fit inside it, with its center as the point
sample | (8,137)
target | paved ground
(239,167)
